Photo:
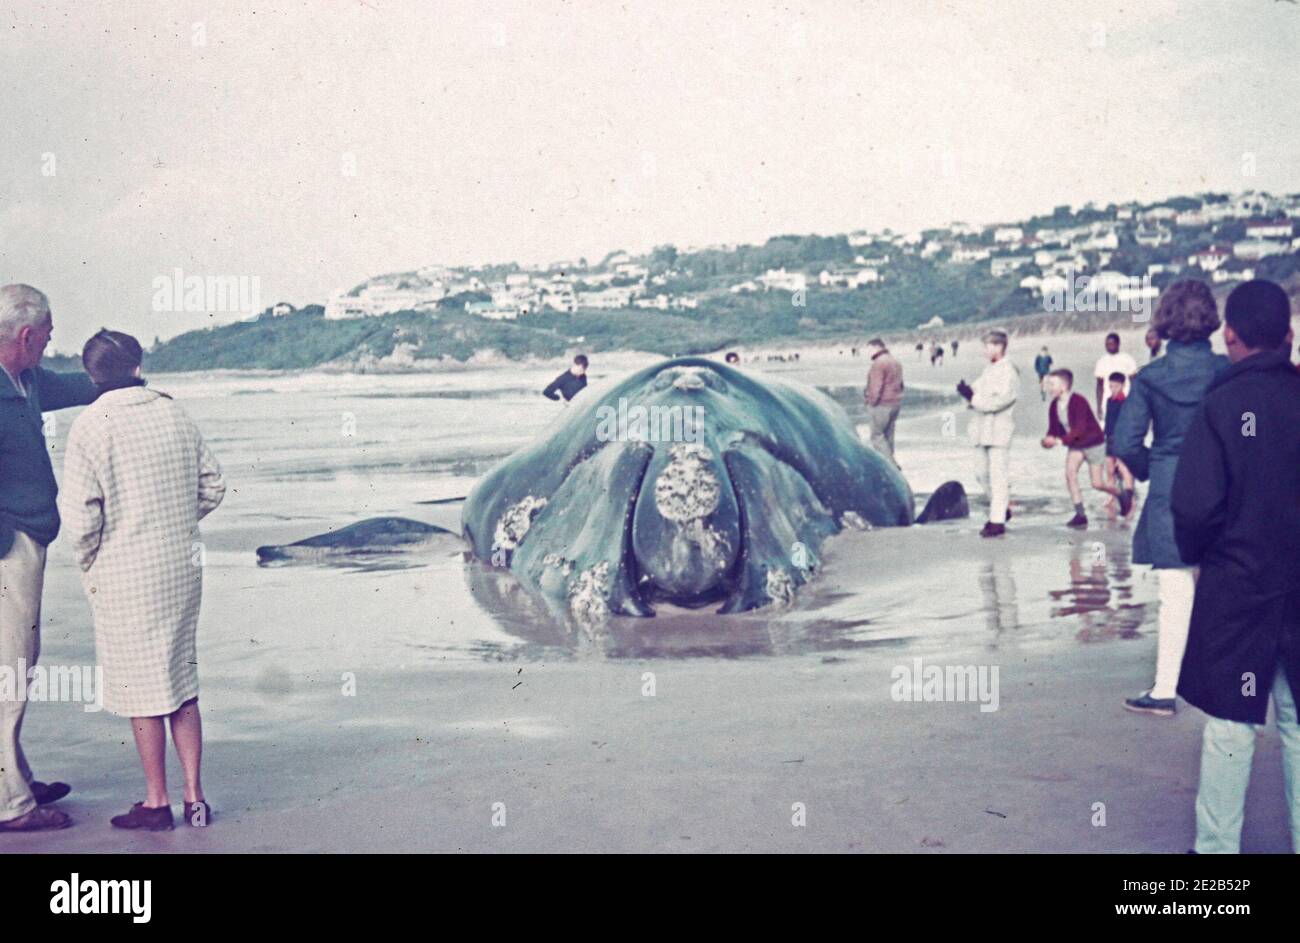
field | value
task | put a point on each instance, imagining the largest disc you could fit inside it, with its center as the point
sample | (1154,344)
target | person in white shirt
(1112,362)
(993,397)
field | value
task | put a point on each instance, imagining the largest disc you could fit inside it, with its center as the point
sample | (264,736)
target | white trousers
(1227,749)
(1177,590)
(22,576)
(993,477)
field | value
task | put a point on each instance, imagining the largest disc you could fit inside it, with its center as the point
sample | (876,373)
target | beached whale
(371,536)
(689,482)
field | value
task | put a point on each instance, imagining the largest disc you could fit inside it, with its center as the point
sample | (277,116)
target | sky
(312,145)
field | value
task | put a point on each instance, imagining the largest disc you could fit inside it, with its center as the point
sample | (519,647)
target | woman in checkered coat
(137,478)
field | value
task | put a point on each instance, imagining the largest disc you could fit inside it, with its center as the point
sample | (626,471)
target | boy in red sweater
(1070,422)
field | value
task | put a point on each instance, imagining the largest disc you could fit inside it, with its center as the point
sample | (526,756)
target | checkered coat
(137,478)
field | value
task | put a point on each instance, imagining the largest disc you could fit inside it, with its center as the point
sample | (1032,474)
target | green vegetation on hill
(306,339)
(913,290)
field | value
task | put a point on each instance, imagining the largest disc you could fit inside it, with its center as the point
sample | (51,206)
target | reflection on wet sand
(999,588)
(1002,598)
(672,633)
(1101,582)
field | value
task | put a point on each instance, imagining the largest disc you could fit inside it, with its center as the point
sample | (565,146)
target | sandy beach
(420,703)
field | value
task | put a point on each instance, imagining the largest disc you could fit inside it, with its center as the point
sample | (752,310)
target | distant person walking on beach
(936,355)
(954,347)
(1042,367)
(137,478)
(884,397)
(569,383)
(29,522)
(1163,398)
(920,351)
(993,397)
(1070,422)
(1113,361)
(1236,508)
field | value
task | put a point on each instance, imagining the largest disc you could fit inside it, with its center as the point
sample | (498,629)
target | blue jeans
(1227,749)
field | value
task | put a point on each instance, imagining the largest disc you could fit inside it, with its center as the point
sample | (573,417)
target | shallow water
(306,452)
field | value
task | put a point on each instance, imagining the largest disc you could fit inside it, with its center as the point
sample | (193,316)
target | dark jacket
(27,487)
(1043,365)
(1164,395)
(1236,505)
(566,384)
(1114,408)
(1083,433)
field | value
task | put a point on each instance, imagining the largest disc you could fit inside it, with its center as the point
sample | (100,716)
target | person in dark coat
(1042,367)
(1236,507)
(569,383)
(1164,396)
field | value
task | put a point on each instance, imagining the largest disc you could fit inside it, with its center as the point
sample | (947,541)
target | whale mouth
(685,528)
(691,526)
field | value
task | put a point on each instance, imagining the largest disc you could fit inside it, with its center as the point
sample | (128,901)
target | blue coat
(1164,397)
(27,488)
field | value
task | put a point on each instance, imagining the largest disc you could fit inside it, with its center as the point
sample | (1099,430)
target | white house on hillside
(1006,264)
(969,254)
(1269,229)
(1209,259)
(1257,248)
(778,279)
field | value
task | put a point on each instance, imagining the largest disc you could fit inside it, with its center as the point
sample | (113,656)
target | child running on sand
(1070,422)
(1114,467)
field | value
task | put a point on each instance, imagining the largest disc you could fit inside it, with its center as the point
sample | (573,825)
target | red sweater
(1084,432)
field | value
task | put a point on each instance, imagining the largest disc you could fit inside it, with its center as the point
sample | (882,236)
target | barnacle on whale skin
(514,523)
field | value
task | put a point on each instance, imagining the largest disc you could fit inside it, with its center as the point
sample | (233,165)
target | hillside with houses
(789,290)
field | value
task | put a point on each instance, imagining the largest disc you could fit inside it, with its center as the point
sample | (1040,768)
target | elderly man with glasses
(29,521)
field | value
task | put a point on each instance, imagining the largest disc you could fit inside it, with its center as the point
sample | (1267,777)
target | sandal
(37,820)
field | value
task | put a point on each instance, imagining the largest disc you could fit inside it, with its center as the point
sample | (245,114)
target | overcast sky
(315,144)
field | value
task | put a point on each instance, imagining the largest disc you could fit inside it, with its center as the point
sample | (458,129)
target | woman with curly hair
(1164,397)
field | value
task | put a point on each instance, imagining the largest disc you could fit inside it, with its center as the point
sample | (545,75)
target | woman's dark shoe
(993,530)
(1078,521)
(197,813)
(142,817)
(45,793)
(1157,706)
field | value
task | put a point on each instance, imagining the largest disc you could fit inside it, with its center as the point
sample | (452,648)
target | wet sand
(715,760)
(467,694)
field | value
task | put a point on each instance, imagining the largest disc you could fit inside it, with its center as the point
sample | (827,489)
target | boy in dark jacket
(1070,422)
(1236,507)
(569,383)
(1115,469)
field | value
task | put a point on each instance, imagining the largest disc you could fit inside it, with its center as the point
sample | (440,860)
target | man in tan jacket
(884,396)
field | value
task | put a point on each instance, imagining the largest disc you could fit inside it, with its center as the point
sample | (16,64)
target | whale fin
(576,548)
(781,523)
(373,535)
(948,503)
